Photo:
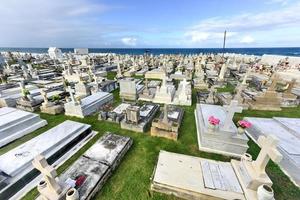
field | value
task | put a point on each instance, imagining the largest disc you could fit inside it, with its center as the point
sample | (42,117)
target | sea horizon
(258,51)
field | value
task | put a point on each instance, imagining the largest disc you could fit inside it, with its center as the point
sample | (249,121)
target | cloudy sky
(149,23)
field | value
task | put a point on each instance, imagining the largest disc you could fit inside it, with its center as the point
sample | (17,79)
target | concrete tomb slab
(94,167)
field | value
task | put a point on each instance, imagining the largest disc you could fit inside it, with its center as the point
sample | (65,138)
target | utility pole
(224,43)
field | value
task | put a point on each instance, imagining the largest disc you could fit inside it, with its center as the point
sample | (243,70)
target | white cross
(230,110)
(268,151)
(70,90)
(48,172)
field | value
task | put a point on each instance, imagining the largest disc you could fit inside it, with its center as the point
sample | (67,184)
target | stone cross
(230,110)
(275,79)
(165,119)
(44,94)
(48,172)
(22,85)
(244,82)
(70,90)
(222,72)
(291,86)
(268,151)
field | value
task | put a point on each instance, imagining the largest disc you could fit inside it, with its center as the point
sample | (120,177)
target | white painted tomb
(287,130)
(56,143)
(87,105)
(191,177)
(16,123)
(224,139)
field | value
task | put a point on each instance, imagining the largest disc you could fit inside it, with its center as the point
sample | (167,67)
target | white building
(55,53)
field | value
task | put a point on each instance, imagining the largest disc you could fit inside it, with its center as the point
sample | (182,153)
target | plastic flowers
(244,124)
(213,120)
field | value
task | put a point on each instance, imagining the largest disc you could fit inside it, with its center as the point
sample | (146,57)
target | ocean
(285,51)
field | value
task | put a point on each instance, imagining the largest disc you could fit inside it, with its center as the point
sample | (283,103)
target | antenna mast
(224,43)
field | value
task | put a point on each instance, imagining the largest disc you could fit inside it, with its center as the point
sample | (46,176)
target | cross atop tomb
(268,151)
(165,119)
(70,90)
(273,85)
(44,95)
(291,85)
(230,110)
(48,172)
(222,72)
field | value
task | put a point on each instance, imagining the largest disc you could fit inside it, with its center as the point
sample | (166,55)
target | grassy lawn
(131,180)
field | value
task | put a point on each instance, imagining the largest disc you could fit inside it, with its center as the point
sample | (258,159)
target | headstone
(230,110)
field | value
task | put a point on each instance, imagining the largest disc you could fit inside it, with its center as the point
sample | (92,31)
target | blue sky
(154,23)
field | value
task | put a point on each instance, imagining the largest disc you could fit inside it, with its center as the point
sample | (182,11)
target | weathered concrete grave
(94,167)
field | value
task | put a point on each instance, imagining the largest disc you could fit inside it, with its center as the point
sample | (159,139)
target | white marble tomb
(88,105)
(287,130)
(16,163)
(16,123)
(225,138)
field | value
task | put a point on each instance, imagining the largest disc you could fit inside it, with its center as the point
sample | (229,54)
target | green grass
(111,75)
(228,88)
(131,180)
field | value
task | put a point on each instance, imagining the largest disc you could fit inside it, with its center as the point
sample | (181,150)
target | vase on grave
(72,194)
(241,130)
(265,192)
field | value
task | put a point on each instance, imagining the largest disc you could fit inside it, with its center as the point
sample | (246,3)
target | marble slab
(287,141)
(290,123)
(218,112)
(20,157)
(108,148)
(93,98)
(287,132)
(16,123)
(120,108)
(145,110)
(220,176)
(191,177)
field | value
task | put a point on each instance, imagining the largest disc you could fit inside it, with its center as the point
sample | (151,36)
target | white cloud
(67,23)
(287,16)
(281,2)
(197,37)
(209,31)
(129,41)
(247,40)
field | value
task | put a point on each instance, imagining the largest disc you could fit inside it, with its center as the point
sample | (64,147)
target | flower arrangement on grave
(242,125)
(213,122)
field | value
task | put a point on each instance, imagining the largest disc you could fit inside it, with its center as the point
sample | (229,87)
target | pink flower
(244,124)
(213,120)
